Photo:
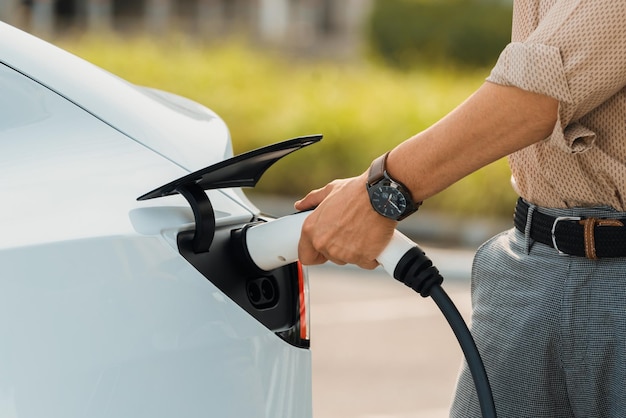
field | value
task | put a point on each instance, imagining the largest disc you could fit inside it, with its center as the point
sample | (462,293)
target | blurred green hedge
(406,33)
(363,109)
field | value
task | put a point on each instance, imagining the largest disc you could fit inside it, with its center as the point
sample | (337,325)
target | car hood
(183,131)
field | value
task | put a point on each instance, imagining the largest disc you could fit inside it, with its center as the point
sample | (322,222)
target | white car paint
(191,136)
(100,316)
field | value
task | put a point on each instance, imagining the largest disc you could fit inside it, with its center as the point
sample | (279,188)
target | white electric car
(121,291)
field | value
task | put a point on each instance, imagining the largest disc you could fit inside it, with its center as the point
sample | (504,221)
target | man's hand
(344,228)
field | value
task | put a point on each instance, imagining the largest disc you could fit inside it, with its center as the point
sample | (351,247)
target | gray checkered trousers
(551,328)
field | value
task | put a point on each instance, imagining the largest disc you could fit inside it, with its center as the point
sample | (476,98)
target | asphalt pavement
(379,349)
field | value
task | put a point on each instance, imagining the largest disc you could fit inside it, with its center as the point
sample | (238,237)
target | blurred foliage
(408,33)
(361,108)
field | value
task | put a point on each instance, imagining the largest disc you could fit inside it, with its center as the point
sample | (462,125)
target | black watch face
(388,201)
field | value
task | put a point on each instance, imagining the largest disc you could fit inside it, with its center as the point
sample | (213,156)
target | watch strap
(377,169)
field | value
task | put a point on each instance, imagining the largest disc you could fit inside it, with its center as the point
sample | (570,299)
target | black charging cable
(413,269)
(418,272)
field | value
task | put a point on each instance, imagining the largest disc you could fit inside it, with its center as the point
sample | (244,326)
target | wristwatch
(388,197)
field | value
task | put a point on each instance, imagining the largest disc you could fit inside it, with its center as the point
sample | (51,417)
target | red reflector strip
(303,292)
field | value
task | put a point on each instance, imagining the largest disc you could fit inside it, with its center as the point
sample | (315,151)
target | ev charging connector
(270,245)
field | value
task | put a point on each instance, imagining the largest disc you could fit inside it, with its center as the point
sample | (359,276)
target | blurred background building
(326,25)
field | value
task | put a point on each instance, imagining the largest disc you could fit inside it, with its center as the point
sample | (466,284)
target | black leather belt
(574,235)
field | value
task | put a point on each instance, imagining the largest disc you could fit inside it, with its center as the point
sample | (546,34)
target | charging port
(272,297)
(263,292)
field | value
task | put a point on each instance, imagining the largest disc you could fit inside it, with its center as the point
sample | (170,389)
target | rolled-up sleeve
(577,55)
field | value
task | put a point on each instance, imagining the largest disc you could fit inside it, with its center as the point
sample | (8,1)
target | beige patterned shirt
(574,51)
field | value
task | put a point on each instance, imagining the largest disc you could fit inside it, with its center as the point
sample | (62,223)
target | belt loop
(589,233)
(528,241)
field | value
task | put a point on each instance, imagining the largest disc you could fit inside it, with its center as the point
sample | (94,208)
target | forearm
(494,122)
(491,124)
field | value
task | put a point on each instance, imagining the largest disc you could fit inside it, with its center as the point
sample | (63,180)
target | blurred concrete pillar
(158,13)
(209,15)
(273,20)
(99,15)
(9,10)
(42,17)
(357,12)
(305,22)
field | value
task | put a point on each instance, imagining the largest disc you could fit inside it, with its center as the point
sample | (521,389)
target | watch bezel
(386,181)
(378,174)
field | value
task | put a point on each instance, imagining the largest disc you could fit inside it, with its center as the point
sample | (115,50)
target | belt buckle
(556,221)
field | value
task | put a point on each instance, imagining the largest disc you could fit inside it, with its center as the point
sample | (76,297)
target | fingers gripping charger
(269,245)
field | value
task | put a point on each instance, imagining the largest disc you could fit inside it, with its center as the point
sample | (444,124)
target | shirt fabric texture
(574,51)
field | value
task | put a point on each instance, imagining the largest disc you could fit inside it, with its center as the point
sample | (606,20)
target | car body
(102,314)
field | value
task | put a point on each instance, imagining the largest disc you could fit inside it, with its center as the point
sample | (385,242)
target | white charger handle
(399,245)
(274,244)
